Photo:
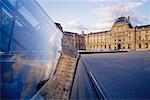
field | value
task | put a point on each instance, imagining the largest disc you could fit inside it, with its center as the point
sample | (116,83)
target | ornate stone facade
(76,39)
(122,36)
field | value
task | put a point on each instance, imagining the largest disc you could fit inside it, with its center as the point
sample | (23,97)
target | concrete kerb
(75,66)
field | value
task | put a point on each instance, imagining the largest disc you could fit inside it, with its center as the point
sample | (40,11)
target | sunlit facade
(122,36)
(30,45)
(76,39)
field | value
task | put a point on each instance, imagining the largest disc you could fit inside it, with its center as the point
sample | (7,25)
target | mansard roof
(102,32)
(143,26)
(66,32)
(121,20)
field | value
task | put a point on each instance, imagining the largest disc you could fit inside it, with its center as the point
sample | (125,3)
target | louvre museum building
(122,36)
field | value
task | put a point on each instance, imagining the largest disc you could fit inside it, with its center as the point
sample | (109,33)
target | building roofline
(143,26)
(67,32)
(101,32)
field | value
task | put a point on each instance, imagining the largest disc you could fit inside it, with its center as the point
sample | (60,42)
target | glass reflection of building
(29,48)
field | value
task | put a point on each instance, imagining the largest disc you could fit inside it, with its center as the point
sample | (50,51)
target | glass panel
(15,47)
(25,36)
(28,16)
(7,21)
(5,29)
(33,50)
(4,39)
(13,2)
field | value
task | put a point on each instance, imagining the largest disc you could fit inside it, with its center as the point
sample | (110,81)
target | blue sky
(95,15)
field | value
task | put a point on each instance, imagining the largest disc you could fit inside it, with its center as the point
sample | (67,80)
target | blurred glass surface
(30,45)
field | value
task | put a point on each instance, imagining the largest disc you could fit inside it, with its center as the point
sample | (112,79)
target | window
(129,46)
(119,46)
(101,46)
(105,46)
(129,38)
(139,37)
(109,46)
(90,46)
(139,45)
(146,37)
(146,45)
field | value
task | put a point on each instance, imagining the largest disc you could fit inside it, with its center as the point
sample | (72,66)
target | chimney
(128,18)
(82,32)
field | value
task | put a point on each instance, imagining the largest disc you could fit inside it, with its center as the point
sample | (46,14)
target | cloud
(140,21)
(74,24)
(108,13)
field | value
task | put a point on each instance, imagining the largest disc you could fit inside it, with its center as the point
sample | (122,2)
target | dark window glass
(129,46)
(110,46)
(146,45)
(139,45)
(105,46)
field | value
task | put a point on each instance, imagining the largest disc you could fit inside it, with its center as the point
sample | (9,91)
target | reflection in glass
(30,43)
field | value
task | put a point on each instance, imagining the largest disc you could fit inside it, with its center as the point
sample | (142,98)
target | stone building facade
(122,36)
(76,39)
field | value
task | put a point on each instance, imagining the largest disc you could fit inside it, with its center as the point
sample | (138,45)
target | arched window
(139,45)
(109,46)
(139,37)
(129,46)
(119,46)
(146,45)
